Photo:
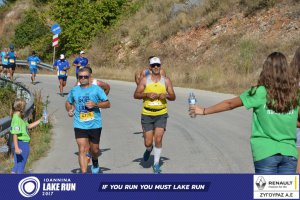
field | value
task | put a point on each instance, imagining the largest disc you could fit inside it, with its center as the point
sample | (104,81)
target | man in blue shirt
(62,66)
(4,60)
(83,103)
(80,62)
(33,60)
(12,56)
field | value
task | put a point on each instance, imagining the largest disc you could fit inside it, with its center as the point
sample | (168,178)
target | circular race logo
(30,186)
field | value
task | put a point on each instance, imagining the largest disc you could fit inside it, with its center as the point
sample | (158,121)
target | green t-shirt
(19,126)
(272,132)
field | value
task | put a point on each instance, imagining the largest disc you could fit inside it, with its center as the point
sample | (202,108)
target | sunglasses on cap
(83,77)
(155,64)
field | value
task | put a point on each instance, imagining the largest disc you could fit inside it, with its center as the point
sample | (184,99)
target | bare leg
(82,150)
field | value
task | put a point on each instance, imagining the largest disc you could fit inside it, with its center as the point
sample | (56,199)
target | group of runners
(84,104)
(8,62)
(274,101)
(86,100)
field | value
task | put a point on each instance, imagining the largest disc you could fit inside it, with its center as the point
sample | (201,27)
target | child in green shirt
(21,138)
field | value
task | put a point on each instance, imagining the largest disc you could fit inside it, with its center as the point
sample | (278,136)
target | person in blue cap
(12,56)
(33,60)
(80,62)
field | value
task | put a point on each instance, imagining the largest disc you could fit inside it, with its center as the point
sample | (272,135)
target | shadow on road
(101,151)
(35,82)
(149,163)
(137,133)
(78,170)
(64,93)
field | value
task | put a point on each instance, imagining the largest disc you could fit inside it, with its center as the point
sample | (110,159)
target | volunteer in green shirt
(296,64)
(275,111)
(21,138)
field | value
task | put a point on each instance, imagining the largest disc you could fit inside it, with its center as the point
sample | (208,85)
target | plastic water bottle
(192,101)
(45,116)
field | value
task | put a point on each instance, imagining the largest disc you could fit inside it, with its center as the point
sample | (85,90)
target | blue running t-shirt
(82,61)
(4,60)
(11,58)
(61,64)
(85,118)
(33,61)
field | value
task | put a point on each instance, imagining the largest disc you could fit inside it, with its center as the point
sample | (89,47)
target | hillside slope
(221,52)
(206,44)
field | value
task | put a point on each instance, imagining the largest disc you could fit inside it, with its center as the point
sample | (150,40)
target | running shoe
(156,168)
(147,154)
(95,170)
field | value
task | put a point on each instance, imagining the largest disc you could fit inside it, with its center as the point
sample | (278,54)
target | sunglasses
(83,77)
(155,64)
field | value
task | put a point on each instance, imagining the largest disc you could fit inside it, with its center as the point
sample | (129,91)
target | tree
(81,20)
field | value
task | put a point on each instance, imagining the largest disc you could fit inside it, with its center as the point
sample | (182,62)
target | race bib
(155,103)
(11,60)
(5,59)
(88,116)
(33,63)
(62,73)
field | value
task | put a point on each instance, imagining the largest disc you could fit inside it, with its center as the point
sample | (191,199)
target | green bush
(81,20)
(41,1)
(31,29)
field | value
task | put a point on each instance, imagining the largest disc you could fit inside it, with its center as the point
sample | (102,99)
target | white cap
(62,56)
(154,60)
(82,52)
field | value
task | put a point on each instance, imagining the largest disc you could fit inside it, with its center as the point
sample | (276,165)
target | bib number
(5,59)
(62,73)
(155,103)
(33,63)
(11,60)
(89,116)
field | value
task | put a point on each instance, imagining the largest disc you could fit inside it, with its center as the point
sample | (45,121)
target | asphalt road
(216,143)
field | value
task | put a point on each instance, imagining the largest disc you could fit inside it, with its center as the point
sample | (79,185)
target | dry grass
(224,62)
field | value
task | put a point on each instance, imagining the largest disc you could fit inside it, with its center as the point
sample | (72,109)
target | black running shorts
(92,134)
(12,66)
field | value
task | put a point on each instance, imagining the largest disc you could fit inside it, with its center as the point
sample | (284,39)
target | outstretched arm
(225,105)
(34,124)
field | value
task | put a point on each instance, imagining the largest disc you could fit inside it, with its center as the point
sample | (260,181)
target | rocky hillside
(224,55)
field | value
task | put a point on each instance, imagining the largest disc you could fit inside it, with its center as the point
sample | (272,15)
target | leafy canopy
(81,20)
(31,29)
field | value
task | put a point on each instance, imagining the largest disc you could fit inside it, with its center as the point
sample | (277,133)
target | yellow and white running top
(155,107)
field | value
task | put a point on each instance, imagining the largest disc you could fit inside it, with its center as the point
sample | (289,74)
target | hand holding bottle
(192,102)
